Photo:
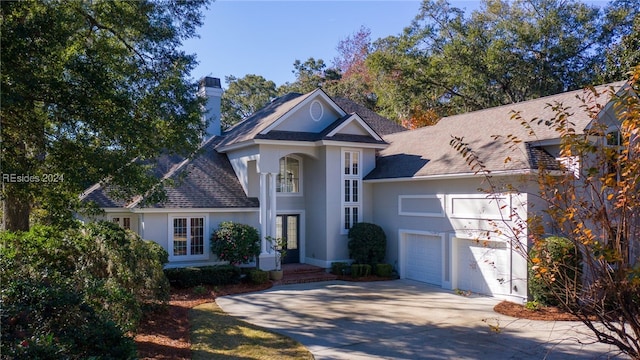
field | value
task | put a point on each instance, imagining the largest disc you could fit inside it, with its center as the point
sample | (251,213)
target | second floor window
(352,180)
(288,180)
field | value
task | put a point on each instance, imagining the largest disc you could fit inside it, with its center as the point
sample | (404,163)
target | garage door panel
(423,258)
(482,266)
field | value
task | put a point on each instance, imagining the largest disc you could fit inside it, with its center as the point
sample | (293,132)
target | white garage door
(483,266)
(423,258)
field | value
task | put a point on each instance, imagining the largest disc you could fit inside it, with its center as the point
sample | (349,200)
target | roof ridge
(568,93)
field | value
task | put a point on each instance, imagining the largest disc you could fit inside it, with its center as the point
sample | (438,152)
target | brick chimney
(210,89)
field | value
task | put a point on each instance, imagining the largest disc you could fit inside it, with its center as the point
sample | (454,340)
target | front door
(287,227)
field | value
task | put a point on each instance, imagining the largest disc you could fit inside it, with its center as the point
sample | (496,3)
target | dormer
(313,118)
(311,115)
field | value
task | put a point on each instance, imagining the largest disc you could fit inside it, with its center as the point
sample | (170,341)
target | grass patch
(217,335)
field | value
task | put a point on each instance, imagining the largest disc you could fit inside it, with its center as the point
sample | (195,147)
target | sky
(265,37)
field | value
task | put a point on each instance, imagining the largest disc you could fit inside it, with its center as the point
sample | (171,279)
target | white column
(272,204)
(263,212)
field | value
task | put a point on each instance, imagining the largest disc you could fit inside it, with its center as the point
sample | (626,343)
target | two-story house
(306,167)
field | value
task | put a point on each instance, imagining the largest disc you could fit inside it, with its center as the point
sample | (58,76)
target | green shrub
(235,243)
(77,290)
(200,290)
(204,275)
(338,268)
(532,305)
(50,320)
(115,270)
(367,244)
(258,276)
(360,270)
(384,270)
(562,274)
(128,271)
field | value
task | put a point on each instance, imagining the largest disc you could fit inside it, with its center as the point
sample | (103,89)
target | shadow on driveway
(404,319)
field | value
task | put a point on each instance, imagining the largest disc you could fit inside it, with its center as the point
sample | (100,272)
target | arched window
(288,180)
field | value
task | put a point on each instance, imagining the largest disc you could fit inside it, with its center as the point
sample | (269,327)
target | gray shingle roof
(539,158)
(323,135)
(98,194)
(427,151)
(380,124)
(207,180)
(251,127)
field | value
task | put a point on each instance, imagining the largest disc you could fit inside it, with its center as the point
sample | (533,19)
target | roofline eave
(353,144)
(465,175)
(193,210)
(315,143)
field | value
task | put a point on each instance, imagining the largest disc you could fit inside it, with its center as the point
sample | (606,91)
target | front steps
(303,273)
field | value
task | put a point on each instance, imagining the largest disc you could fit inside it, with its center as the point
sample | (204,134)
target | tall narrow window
(347,218)
(180,237)
(352,180)
(288,179)
(197,236)
(188,238)
(612,153)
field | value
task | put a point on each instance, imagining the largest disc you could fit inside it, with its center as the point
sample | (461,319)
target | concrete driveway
(404,319)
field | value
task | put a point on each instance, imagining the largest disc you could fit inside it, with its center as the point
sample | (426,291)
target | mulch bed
(546,313)
(164,332)
(365,278)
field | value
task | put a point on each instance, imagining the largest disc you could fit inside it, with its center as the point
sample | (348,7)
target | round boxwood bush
(367,243)
(235,243)
(555,270)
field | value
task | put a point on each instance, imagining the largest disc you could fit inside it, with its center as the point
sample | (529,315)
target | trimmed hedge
(367,243)
(384,270)
(360,270)
(258,276)
(338,268)
(203,275)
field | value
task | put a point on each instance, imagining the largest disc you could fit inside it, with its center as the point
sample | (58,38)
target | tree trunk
(15,212)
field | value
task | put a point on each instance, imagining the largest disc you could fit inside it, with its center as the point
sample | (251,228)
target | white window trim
(500,202)
(120,218)
(617,146)
(343,177)
(311,110)
(300,191)
(206,234)
(438,197)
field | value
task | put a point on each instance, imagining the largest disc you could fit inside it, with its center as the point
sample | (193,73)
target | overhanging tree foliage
(310,75)
(505,52)
(596,208)
(355,82)
(87,87)
(245,96)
